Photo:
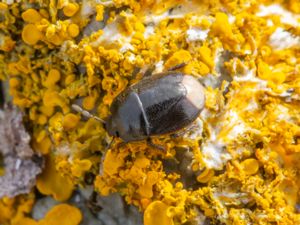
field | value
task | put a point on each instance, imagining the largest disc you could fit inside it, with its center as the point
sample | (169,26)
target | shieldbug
(163,103)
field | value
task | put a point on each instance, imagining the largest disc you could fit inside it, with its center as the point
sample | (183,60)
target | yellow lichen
(30,34)
(52,98)
(73,30)
(206,56)
(80,167)
(70,9)
(182,56)
(52,78)
(223,29)
(113,162)
(26,221)
(42,142)
(6,210)
(156,213)
(7,45)
(250,166)
(64,214)
(265,72)
(13,210)
(100,11)
(205,176)
(49,182)
(31,16)
(70,121)
(90,101)
(14,82)
(3,6)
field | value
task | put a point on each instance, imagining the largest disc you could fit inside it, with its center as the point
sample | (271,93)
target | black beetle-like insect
(159,104)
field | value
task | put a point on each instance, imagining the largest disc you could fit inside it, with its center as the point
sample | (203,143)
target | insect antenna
(110,143)
(87,114)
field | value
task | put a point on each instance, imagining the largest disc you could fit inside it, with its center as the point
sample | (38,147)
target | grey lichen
(21,164)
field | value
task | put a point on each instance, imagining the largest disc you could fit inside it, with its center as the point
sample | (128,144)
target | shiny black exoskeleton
(160,104)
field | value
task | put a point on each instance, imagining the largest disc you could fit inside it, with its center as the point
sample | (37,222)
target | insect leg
(110,144)
(182,132)
(135,71)
(149,71)
(93,205)
(153,145)
(85,113)
(179,66)
(195,126)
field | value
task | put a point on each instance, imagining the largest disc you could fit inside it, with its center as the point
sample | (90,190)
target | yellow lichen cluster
(39,28)
(13,210)
(56,215)
(139,176)
(16,212)
(245,161)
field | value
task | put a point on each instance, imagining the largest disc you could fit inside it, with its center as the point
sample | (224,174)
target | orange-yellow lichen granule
(80,167)
(70,9)
(62,214)
(69,79)
(31,16)
(50,182)
(14,82)
(250,166)
(264,72)
(56,215)
(205,176)
(100,11)
(177,58)
(73,30)
(156,213)
(3,6)
(206,56)
(90,101)
(53,77)
(26,221)
(30,34)
(70,121)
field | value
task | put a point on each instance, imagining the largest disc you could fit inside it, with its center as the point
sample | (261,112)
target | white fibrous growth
(196,34)
(282,39)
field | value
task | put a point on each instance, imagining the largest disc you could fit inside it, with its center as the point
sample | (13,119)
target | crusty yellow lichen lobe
(49,182)
(70,9)
(31,16)
(14,210)
(224,30)
(30,34)
(156,213)
(57,213)
(138,176)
